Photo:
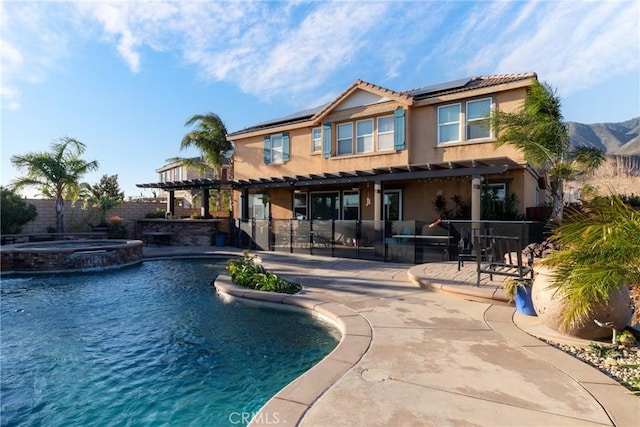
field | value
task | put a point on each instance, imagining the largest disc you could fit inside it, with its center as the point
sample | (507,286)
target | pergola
(378,176)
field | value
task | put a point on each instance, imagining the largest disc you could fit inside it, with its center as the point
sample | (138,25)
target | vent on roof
(441,86)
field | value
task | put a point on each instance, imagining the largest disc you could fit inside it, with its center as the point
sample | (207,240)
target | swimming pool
(150,344)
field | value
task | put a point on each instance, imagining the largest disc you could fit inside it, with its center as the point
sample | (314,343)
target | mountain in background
(616,139)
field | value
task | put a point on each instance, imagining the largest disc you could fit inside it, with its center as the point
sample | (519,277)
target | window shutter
(285,147)
(267,149)
(326,140)
(398,129)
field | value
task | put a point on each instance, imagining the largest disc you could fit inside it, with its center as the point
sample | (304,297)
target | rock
(611,361)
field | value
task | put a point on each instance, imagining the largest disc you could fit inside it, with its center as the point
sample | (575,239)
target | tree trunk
(59,216)
(558,200)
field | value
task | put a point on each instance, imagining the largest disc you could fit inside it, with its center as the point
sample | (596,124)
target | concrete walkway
(414,357)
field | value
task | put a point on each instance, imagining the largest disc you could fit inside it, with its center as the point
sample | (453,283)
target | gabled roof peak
(359,84)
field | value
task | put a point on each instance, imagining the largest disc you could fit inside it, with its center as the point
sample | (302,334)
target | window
(300,205)
(276,148)
(393,205)
(257,208)
(449,123)
(316,140)
(364,136)
(385,133)
(472,114)
(345,139)
(498,191)
(325,205)
(476,112)
(350,205)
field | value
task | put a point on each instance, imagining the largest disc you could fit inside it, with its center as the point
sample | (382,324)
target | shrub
(159,213)
(15,212)
(247,272)
(117,229)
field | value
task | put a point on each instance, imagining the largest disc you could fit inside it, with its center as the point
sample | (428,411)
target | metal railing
(412,241)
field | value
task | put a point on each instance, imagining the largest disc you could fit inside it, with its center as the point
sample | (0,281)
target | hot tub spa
(69,255)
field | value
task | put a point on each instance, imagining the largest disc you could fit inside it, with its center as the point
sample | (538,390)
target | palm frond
(599,252)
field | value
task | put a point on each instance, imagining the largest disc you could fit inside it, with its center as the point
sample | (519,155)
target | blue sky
(124,77)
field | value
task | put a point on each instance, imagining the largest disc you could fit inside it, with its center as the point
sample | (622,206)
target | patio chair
(465,247)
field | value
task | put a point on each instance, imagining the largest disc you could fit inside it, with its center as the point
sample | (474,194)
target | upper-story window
(345,139)
(276,148)
(385,133)
(364,136)
(471,113)
(477,111)
(316,140)
(449,123)
(365,132)
(173,174)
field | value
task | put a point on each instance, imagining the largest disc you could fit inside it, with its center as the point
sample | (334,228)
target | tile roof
(468,84)
(406,97)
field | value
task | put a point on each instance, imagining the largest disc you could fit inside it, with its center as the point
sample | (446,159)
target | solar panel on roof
(299,115)
(442,86)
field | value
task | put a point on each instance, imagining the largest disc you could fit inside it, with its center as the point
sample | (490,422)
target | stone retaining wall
(184,232)
(49,256)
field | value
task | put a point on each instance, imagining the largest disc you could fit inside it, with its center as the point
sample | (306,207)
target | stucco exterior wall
(423,130)
(249,155)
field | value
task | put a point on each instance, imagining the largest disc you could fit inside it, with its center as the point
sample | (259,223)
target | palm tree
(539,130)
(598,254)
(210,137)
(104,195)
(56,173)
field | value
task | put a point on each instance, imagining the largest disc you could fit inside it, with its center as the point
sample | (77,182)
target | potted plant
(588,276)
(519,291)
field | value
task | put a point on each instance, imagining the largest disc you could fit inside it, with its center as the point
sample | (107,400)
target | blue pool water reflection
(145,345)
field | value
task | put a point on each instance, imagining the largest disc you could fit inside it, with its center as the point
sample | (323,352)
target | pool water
(146,345)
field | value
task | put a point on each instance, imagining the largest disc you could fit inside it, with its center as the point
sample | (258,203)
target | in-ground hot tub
(69,255)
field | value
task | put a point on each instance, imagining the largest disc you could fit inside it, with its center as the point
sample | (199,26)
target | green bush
(246,272)
(159,213)
(15,212)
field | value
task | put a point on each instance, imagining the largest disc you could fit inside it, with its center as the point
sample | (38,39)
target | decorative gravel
(621,363)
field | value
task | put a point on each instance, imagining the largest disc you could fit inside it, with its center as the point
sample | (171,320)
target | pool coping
(291,403)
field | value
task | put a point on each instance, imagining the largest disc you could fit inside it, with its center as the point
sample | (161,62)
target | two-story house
(372,165)
(184,198)
(381,155)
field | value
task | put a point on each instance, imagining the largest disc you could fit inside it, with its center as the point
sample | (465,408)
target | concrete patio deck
(414,357)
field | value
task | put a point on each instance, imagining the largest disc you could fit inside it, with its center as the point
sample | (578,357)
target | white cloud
(31,47)
(305,55)
(571,45)
(289,50)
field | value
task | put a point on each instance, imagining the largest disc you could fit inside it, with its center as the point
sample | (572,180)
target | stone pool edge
(290,404)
